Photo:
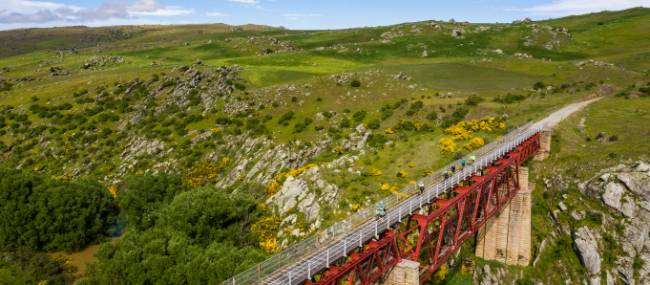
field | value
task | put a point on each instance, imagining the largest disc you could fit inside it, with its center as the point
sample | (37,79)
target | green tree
(162,255)
(142,196)
(208,214)
(473,100)
(42,214)
(358,116)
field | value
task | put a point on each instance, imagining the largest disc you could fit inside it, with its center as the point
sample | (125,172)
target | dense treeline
(42,214)
(173,235)
(199,237)
(39,214)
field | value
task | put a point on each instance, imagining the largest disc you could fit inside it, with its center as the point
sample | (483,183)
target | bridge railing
(355,223)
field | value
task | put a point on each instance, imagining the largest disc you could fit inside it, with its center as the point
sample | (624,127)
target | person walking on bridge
(421,187)
(381,210)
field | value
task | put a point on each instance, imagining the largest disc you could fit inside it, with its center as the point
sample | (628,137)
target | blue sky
(294,14)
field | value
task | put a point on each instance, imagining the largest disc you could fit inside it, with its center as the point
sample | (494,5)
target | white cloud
(298,16)
(22,6)
(574,7)
(216,14)
(29,11)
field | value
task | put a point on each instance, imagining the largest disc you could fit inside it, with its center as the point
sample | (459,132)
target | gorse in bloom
(448,145)
(465,130)
(202,174)
(474,143)
(266,229)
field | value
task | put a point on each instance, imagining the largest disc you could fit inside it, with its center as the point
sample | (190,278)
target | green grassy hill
(242,108)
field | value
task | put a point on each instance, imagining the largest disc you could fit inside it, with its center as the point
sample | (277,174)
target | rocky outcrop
(592,62)
(522,55)
(303,195)
(458,33)
(401,76)
(388,36)
(58,71)
(140,148)
(546,36)
(342,79)
(270,45)
(259,159)
(625,189)
(357,140)
(201,87)
(489,276)
(613,194)
(102,61)
(587,249)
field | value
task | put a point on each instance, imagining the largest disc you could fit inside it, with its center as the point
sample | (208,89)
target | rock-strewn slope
(625,189)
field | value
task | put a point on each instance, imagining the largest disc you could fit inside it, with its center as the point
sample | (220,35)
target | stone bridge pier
(506,237)
(544,145)
(407,272)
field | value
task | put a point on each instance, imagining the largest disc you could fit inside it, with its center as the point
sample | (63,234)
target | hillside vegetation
(193,152)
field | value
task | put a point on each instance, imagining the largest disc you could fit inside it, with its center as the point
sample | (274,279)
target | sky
(293,14)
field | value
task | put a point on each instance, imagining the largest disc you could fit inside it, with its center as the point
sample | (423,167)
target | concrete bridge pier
(506,237)
(407,272)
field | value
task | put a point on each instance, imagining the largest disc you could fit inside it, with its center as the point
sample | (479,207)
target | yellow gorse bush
(266,230)
(448,145)
(202,174)
(464,130)
(474,143)
(459,131)
(114,191)
(300,170)
(272,188)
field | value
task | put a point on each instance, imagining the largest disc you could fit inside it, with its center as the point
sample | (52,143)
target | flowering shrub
(448,145)
(464,130)
(202,174)
(266,230)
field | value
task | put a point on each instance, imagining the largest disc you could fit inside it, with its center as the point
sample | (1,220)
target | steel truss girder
(438,229)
